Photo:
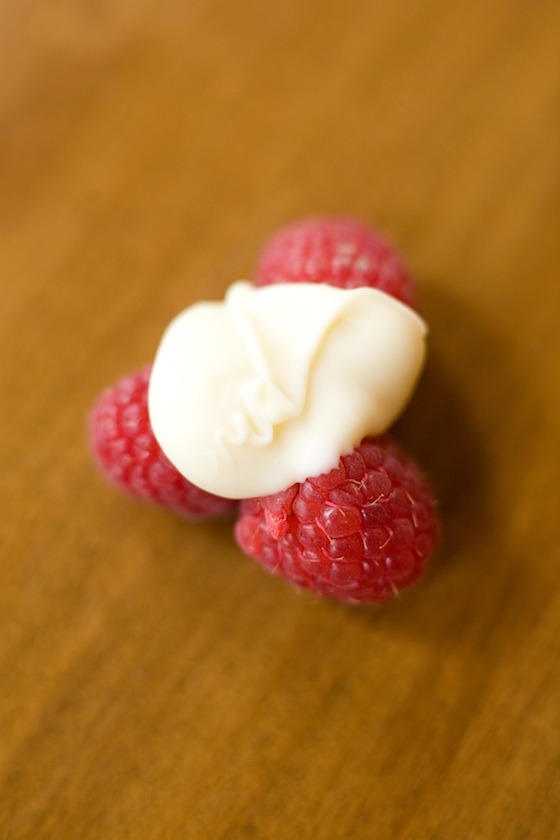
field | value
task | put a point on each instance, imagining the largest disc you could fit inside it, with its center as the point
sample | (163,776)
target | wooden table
(155,683)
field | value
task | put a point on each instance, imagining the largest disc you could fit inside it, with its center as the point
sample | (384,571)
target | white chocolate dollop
(274,384)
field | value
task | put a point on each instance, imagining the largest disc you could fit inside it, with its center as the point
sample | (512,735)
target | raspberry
(342,251)
(131,458)
(359,533)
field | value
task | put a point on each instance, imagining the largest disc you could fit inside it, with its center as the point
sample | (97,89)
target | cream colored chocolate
(274,384)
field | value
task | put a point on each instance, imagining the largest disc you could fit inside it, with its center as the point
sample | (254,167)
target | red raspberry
(131,458)
(342,251)
(359,533)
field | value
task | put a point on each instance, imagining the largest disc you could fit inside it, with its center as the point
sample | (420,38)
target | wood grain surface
(154,682)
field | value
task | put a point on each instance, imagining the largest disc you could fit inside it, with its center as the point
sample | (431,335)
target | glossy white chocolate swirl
(274,384)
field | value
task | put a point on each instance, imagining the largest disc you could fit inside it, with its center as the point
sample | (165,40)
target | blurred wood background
(155,683)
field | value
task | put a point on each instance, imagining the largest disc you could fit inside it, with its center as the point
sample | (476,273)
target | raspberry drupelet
(359,533)
(341,251)
(130,457)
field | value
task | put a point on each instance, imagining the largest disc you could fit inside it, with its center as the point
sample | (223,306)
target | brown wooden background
(154,683)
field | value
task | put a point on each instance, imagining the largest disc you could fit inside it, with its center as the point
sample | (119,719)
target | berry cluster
(359,533)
